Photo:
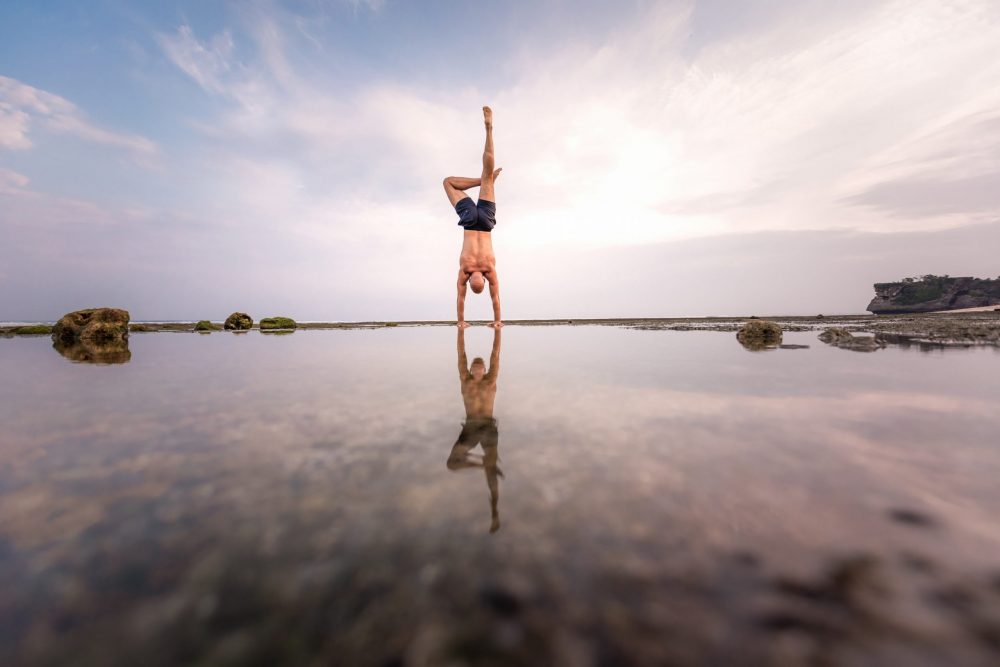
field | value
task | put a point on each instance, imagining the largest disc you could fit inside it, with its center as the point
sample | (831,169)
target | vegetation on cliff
(931,292)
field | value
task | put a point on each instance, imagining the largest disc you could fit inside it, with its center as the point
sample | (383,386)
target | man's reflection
(479,391)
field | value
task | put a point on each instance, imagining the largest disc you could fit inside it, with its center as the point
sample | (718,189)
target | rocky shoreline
(930,329)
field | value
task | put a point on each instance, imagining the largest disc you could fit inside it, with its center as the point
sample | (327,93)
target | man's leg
(486,181)
(454,186)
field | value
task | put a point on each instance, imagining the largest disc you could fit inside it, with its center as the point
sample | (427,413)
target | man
(476,264)
(479,393)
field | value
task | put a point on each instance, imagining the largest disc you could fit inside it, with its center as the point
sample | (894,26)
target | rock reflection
(95,352)
(479,392)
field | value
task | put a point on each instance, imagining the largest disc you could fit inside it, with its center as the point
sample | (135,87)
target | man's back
(477,253)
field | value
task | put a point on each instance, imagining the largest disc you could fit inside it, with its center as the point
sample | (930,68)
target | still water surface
(560,495)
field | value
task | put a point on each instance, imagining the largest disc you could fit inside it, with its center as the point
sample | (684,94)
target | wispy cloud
(292,138)
(762,131)
(23,107)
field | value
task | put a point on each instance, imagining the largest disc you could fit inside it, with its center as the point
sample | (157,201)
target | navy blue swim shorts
(479,217)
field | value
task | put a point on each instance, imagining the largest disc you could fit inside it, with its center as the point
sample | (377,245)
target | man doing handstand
(476,264)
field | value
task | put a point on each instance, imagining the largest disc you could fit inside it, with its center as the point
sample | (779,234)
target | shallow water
(631,497)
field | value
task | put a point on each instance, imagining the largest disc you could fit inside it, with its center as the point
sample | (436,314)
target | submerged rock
(844,339)
(33,330)
(759,335)
(272,323)
(113,351)
(834,335)
(238,322)
(205,325)
(94,325)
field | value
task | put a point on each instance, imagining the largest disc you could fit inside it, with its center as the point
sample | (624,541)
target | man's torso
(477,252)
(479,398)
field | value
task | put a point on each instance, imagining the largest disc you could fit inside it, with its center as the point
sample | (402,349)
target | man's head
(477,282)
(478,369)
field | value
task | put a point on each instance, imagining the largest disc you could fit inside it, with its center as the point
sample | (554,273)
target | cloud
(371,5)
(208,64)
(11,181)
(786,127)
(953,169)
(22,106)
(774,137)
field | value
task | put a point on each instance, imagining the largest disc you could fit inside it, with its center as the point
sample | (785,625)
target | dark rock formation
(93,325)
(111,351)
(759,335)
(271,323)
(930,293)
(842,338)
(206,326)
(238,322)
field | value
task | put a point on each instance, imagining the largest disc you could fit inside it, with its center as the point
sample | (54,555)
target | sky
(676,158)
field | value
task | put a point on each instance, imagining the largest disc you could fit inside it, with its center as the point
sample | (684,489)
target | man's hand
(497,324)
(461,324)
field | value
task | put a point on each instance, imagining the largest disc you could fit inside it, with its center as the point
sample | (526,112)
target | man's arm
(495,296)
(463,361)
(463,280)
(494,371)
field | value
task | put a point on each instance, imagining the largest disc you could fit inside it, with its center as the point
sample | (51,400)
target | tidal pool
(561,495)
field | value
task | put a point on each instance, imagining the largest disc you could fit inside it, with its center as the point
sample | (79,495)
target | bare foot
(488,116)
(496,172)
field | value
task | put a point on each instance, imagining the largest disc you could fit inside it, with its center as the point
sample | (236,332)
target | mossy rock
(139,328)
(34,330)
(272,323)
(238,322)
(842,338)
(836,335)
(92,324)
(392,324)
(759,334)
(205,325)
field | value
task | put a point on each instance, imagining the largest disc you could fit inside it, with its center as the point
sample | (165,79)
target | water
(614,497)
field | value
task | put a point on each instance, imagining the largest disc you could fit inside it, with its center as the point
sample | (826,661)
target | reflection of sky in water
(320,460)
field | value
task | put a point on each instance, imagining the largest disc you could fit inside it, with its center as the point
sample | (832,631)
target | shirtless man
(479,393)
(476,264)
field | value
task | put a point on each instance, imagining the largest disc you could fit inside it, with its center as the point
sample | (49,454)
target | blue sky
(184,160)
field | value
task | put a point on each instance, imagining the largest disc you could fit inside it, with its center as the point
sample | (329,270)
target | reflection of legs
(491,456)
(460,456)
(492,473)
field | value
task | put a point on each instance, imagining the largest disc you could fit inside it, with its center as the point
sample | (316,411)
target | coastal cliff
(930,293)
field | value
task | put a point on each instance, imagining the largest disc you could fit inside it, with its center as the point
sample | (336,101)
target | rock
(33,330)
(759,335)
(93,325)
(834,335)
(139,328)
(112,351)
(272,323)
(238,322)
(932,293)
(205,325)
(844,339)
